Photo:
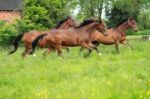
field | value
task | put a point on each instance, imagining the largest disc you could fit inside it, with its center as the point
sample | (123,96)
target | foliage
(45,13)
(110,76)
(145,32)
(90,8)
(37,15)
(7,33)
(116,10)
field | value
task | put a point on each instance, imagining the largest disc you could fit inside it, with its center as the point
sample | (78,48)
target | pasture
(110,76)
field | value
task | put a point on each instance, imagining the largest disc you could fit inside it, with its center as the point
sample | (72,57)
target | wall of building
(9,16)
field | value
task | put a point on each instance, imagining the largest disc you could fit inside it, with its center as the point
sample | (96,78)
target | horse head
(71,22)
(101,26)
(132,24)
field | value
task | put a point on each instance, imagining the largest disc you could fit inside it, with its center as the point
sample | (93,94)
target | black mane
(61,22)
(86,22)
(121,22)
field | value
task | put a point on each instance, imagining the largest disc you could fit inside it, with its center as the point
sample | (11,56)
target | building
(10,10)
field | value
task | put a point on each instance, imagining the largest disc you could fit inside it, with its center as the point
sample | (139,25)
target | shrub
(7,33)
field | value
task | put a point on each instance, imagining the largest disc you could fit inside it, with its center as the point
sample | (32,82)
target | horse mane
(121,22)
(60,23)
(86,22)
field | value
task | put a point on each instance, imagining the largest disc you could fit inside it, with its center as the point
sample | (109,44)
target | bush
(143,32)
(37,17)
(7,33)
(45,13)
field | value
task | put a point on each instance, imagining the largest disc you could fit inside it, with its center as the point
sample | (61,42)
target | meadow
(110,76)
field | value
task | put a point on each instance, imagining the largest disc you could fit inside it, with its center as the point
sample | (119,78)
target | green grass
(110,76)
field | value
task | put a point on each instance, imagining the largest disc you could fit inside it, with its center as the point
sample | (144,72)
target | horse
(79,36)
(115,35)
(28,37)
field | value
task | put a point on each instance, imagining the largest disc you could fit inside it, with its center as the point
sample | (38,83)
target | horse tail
(16,43)
(35,42)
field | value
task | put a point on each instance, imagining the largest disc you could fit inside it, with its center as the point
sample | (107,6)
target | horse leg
(130,45)
(67,49)
(91,46)
(85,45)
(94,47)
(58,48)
(48,51)
(29,51)
(97,50)
(81,50)
(25,51)
(95,43)
(117,46)
(127,44)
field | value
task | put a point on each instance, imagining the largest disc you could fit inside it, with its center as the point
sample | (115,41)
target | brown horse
(28,37)
(115,35)
(79,36)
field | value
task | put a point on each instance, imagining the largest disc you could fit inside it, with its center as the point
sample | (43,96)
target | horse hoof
(100,54)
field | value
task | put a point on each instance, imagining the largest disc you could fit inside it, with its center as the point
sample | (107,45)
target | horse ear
(68,17)
(129,19)
(100,20)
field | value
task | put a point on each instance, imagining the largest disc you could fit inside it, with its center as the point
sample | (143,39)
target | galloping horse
(115,35)
(79,36)
(28,37)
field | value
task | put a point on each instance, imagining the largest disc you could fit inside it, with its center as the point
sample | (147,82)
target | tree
(45,13)
(116,10)
(122,9)
(90,8)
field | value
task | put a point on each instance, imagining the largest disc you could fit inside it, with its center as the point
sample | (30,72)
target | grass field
(110,76)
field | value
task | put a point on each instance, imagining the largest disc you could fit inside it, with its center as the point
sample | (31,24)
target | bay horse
(115,35)
(79,36)
(28,37)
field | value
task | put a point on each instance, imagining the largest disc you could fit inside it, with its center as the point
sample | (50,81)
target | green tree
(116,10)
(90,8)
(121,9)
(45,13)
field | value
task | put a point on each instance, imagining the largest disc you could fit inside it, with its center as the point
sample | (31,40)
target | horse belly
(69,43)
(105,40)
(69,40)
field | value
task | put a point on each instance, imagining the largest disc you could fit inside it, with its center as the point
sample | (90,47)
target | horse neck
(88,29)
(64,26)
(123,27)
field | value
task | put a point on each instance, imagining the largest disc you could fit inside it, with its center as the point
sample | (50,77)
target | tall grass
(110,76)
